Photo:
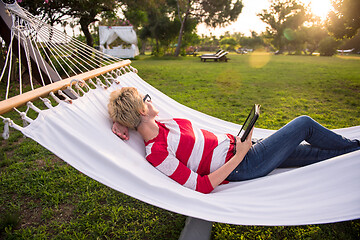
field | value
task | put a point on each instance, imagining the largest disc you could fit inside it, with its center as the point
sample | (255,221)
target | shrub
(328,46)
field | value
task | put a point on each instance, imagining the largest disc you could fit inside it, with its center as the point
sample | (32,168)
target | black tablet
(249,122)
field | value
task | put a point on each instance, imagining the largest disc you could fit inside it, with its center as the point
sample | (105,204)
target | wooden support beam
(8,104)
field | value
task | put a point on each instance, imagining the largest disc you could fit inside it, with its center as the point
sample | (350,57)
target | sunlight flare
(320,8)
(259,59)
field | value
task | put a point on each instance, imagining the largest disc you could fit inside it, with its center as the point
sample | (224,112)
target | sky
(248,21)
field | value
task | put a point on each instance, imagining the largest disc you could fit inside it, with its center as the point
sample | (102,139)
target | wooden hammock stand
(19,100)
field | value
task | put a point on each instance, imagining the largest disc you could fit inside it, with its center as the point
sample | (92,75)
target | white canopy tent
(108,34)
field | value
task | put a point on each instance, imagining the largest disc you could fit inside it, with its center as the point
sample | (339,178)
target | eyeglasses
(147,98)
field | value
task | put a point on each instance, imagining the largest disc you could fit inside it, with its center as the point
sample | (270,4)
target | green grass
(41,197)
(285,87)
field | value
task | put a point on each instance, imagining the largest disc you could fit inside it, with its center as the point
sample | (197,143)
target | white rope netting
(54,56)
(54,52)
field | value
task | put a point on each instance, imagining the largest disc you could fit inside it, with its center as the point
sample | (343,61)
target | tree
(49,11)
(314,35)
(55,11)
(137,12)
(154,20)
(209,43)
(352,43)
(211,12)
(328,46)
(283,18)
(251,42)
(87,11)
(228,43)
(190,37)
(344,21)
(160,27)
(295,40)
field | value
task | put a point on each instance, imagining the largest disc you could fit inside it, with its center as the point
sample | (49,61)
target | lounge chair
(216,57)
(215,54)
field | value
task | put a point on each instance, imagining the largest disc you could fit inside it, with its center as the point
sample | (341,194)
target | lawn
(42,197)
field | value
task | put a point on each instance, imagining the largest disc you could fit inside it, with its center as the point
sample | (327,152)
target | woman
(201,160)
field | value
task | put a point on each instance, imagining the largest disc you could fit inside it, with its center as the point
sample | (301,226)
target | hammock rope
(65,55)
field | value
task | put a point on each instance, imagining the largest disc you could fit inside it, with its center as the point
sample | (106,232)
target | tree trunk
(183,21)
(157,46)
(84,27)
(177,51)
(143,47)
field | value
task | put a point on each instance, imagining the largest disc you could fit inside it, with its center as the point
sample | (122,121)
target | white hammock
(80,133)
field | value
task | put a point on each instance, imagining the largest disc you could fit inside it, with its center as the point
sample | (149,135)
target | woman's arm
(176,170)
(218,176)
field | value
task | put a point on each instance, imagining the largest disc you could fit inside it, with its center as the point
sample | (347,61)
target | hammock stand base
(196,228)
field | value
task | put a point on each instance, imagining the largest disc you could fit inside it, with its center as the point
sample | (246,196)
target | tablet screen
(247,122)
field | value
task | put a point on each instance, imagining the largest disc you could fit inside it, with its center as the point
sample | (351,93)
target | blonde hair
(125,106)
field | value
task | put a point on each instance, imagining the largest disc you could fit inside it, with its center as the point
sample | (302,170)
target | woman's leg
(306,154)
(283,149)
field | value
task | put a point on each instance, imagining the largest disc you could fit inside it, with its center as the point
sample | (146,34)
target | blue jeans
(285,148)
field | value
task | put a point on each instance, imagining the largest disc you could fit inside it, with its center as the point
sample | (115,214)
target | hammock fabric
(80,133)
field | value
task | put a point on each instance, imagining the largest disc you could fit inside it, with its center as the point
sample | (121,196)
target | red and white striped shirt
(188,154)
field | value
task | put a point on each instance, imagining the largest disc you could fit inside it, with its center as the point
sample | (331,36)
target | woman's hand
(219,175)
(121,131)
(244,147)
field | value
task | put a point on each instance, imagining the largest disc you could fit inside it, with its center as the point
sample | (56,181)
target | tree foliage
(159,20)
(228,43)
(49,11)
(159,25)
(55,11)
(352,43)
(314,35)
(328,46)
(251,42)
(344,21)
(212,12)
(283,17)
(87,10)
(215,12)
